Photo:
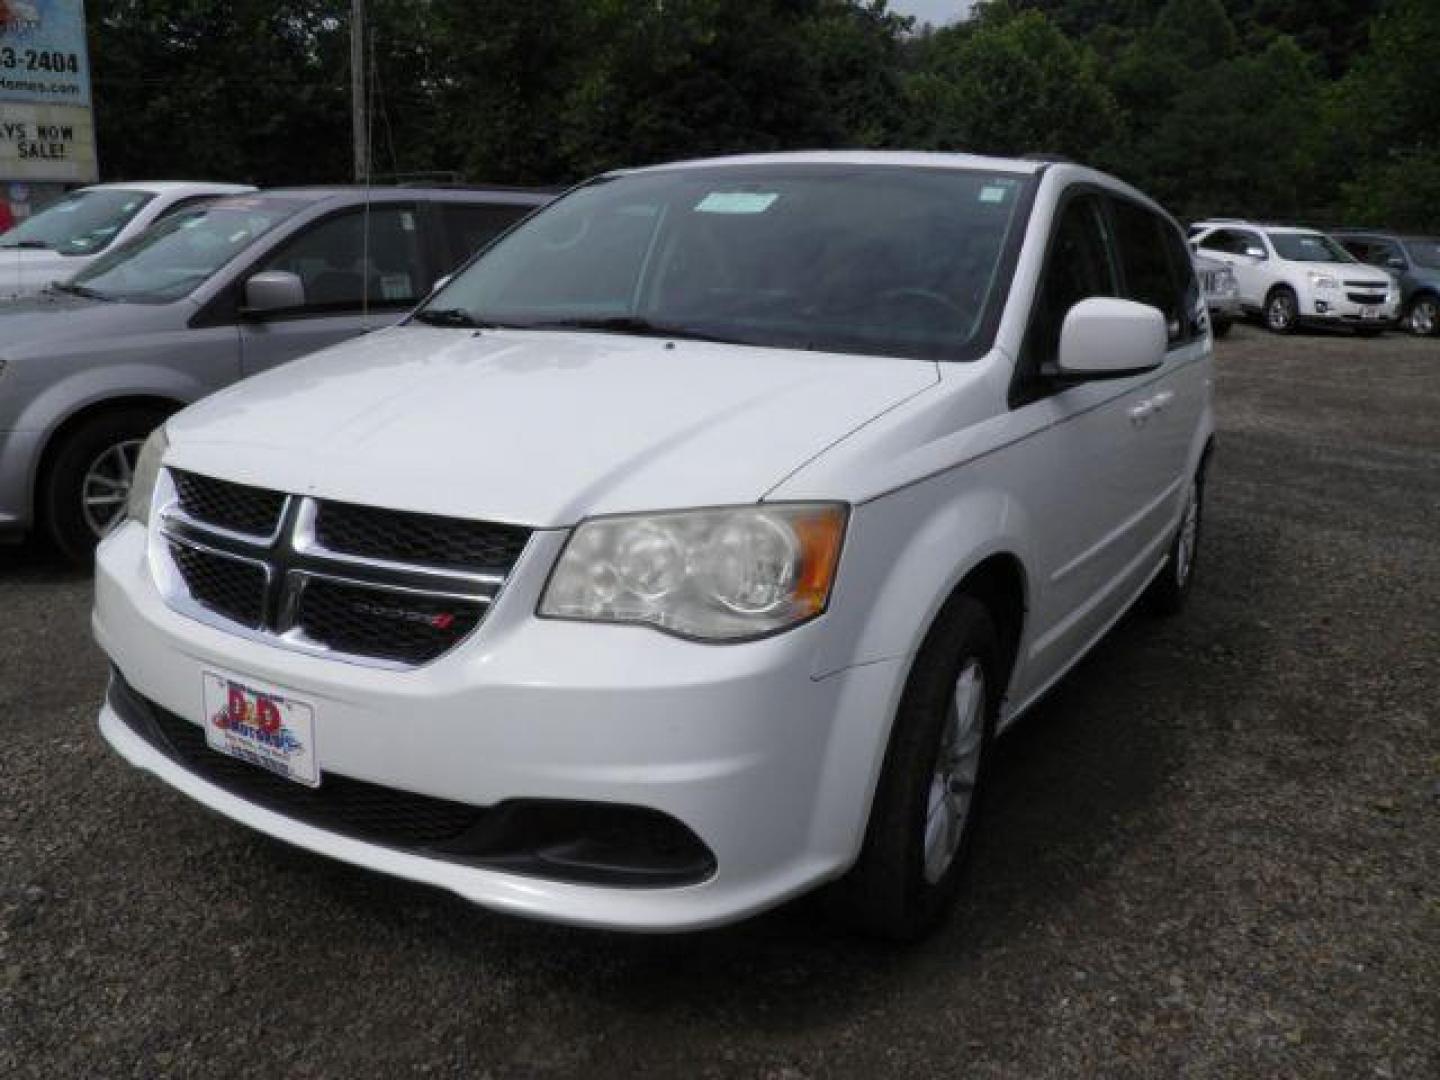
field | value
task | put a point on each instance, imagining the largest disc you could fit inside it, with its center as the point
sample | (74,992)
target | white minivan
(686,551)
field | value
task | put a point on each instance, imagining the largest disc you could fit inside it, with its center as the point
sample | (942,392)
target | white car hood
(24,271)
(1349,273)
(537,428)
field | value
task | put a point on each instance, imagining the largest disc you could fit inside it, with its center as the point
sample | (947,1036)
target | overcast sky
(938,12)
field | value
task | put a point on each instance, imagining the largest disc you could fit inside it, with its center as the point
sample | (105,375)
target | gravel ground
(1212,852)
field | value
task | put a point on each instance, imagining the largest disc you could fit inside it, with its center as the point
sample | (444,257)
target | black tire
(888,893)
(1281,313)
(1423,318)
(1220,326)
(61,500)
(1171,588)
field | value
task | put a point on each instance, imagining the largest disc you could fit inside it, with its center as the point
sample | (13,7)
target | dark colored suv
(1415,260)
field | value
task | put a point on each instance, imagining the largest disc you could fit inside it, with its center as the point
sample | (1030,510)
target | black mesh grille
(418,538)
(237,507)
(353,807)
(228,586)
(385,624)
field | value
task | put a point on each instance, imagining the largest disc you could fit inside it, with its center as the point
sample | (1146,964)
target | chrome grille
(235,507)
(401,589)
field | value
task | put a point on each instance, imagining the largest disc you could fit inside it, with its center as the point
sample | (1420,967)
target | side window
(1247,243)
(1221,240)
(1077,267)
(1150,275)
(1364,250)
(1382,251)
(341,270)
(469,227)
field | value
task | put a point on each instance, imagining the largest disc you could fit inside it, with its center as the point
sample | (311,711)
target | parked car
(1415,262)
(227,290)
(65,237)
(1222,295)
(1292,277)
(686,551)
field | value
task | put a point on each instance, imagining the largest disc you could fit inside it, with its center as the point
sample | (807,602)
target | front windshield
(1309,247)
(172,259)
(880,260)
(1425,253)
(82,223)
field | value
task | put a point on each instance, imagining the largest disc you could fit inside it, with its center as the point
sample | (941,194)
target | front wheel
(87,486)
(1424,317)
(927,801)
(1282,311)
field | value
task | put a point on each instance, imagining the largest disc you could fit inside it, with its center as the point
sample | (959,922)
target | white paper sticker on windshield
(993,193)
(407,221)
(735,202)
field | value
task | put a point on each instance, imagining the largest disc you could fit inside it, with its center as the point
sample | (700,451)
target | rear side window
(1077,267)
(468,227)
(1155,272)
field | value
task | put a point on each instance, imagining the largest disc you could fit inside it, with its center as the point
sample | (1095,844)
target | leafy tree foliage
(1307,109)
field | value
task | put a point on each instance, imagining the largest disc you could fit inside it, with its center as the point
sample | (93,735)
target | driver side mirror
(273,290)
(1105,337)
(1395,262)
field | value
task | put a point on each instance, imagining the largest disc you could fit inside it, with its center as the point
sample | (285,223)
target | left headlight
(147,471)
(715,575)
(1324,281)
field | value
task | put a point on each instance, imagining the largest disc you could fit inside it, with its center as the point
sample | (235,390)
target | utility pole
(357,91)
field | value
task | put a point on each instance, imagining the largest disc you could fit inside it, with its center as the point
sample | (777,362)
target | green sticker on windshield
(735,202)
(993,193)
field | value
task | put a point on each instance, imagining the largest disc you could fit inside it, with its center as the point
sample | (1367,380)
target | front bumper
(18,451)
(742,744)
(1331,308)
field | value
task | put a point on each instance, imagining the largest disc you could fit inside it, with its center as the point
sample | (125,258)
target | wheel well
(73,423)
(1422,294)
(1279,286)
(999,583)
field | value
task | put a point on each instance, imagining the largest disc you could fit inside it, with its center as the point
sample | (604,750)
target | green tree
(1008,84)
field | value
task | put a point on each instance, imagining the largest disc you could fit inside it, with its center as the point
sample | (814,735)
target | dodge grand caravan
(687,551)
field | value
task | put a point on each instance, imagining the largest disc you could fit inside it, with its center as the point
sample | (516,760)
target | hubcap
(1189,535)
(1280,312)
(106,486)
(1422,317)
(957,767)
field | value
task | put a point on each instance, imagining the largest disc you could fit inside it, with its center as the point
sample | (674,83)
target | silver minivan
(207,297)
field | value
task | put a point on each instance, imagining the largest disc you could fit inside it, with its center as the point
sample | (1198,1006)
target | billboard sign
(47,131)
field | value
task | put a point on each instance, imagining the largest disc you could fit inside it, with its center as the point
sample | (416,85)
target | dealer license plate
(1371,312)
(265,728)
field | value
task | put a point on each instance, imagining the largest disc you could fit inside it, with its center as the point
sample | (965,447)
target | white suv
(1293,277)
(686,551)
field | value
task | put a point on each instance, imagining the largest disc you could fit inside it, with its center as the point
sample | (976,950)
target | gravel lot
(1214,851)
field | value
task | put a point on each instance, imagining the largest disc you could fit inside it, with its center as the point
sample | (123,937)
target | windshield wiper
(80,290)
(631,324)
(28,245)
(452,316)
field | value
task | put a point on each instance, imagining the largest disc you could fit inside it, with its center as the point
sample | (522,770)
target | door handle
(1140,413)
(1162,399)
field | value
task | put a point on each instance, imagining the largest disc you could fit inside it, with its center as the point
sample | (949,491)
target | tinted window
(342,269)
(878,260)
(1425,252)
(469,228)
(1143,239)
(1077,267)
(82,223)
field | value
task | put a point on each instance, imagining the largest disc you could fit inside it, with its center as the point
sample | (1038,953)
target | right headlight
(715,575)
(147,472)
(1324,281)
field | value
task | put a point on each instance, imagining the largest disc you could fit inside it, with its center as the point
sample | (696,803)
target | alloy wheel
(956,772)
(106,486)
(1280,312)
(1424,316)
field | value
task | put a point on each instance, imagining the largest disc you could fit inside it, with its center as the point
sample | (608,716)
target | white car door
(1087,466)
